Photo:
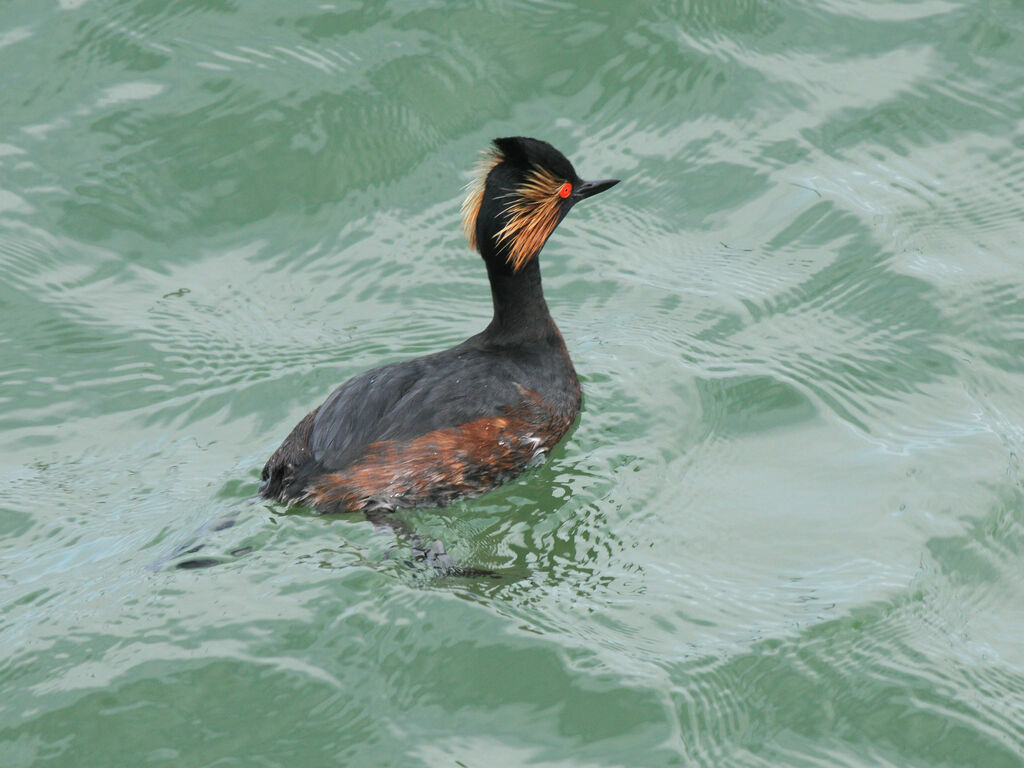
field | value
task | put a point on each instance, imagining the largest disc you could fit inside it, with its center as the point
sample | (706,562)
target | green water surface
(789,527)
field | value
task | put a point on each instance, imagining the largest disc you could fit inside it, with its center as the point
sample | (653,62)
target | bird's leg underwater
(433,555)
(200,538)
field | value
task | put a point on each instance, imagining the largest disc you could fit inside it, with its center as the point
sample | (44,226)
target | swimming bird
(456,423)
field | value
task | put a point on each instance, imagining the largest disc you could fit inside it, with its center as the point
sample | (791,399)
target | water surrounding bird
(460,422)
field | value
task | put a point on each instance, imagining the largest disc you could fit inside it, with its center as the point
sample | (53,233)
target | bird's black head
(525,187)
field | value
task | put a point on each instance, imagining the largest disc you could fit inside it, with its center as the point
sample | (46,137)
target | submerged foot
(196,543)
(442,563)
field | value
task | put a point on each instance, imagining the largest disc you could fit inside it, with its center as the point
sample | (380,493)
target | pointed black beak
(589,188)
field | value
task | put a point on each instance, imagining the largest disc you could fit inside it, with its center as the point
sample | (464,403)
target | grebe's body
(460,422)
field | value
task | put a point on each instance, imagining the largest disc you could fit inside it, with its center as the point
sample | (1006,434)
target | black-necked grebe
(459,422)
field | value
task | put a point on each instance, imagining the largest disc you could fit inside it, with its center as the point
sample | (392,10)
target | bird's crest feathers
(532,210)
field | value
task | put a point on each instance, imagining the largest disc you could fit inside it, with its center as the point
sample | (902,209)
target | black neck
(520,312)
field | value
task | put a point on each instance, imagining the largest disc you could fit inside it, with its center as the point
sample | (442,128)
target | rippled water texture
(789,528)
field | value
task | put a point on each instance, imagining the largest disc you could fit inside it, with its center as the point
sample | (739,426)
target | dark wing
(405,400)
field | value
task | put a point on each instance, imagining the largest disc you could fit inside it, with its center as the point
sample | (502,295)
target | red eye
(565,191)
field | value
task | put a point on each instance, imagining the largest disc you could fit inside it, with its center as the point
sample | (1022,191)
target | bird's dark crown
(528,154)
